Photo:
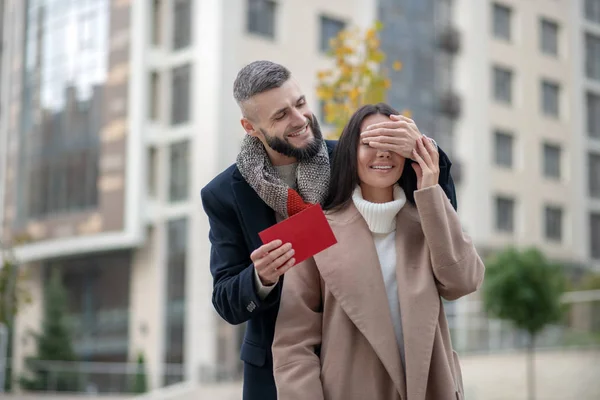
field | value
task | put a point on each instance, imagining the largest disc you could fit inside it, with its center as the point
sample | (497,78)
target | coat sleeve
(298,330)
(235,296)
(457,267)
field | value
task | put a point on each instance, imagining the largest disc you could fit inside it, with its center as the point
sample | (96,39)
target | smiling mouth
(382,167)
(299,132)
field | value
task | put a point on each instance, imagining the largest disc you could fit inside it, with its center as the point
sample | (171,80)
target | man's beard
(301,154)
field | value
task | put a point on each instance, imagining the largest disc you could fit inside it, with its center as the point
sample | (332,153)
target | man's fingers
(402,118)
(267,249)
(281,260)
(384,139)
(286,267)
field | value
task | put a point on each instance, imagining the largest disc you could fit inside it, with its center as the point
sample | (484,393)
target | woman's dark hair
(344,167)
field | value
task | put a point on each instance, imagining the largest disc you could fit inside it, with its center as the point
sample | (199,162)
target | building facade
(115,113)
(118,113)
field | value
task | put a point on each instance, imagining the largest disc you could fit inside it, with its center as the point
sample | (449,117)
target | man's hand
(399,135)
(272,260)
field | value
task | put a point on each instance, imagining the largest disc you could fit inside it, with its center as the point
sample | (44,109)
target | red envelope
(308,231)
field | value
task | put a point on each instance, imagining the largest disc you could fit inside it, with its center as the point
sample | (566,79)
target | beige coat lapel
(419,301)
(351,272)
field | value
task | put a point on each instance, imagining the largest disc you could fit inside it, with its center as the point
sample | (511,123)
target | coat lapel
(255,214)
(353,275)
(419,300)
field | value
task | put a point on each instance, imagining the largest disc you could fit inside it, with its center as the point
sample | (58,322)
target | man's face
(282,120)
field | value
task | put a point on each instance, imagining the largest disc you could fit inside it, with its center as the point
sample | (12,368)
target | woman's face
(377,169)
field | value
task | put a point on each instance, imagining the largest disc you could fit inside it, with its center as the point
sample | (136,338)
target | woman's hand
(428,158)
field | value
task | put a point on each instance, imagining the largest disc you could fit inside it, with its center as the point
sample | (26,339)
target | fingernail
(292,252)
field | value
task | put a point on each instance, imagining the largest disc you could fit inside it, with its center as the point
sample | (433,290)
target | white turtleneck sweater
(381,219)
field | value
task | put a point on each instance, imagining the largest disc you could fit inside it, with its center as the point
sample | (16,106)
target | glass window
(63,109)
(593,114)
(505,214)
(549,37)
(552,155)
(592,56)
(594,175)
(157,12)
(177,245)
(182,24)
(330,28)
(592,10)
(154,99)
(595,236)
(152,171)
(553,223)
(503,82)
(501,15)
(179,175)
(180,94)
(261,17)
(550,99)
(503,149)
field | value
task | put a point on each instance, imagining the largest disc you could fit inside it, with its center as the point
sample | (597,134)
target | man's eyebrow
(279,111)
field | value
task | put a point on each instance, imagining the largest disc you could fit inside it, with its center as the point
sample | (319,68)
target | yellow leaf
(397,65)
(387,84)
(378,25)
(407,113)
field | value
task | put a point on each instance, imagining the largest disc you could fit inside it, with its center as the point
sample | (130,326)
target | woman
(363,319)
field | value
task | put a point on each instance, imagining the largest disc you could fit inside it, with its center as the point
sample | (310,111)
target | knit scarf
(312,178)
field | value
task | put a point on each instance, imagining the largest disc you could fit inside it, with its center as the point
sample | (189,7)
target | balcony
(450,104)
(449,40)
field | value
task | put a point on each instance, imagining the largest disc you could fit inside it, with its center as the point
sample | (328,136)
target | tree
(14,295)
(524,288)
(140,382)
(358,76)
(53,344)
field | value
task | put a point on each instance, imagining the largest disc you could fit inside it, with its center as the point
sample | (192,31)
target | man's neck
(278,159)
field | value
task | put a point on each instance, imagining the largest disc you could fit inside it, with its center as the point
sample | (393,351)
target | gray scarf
(312,177)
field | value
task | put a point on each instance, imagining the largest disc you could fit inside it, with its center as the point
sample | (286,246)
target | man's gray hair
(258,77)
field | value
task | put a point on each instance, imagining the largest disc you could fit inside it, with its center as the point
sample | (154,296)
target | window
(179,171)
(595,236)
(261,17)
(592,10)
(503,149)
(503,80)
(549,37)
(552,161)
(157,22)
(593,114)
(505,214)
(152,171)
(502,21)
(182,24)
(550,99)
(177,245)
(553,223)
(592,56)
(594,175)
(329,29)
(154,99)
(180,94)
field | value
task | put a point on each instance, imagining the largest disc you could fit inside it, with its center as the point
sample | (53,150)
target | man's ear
(248,127)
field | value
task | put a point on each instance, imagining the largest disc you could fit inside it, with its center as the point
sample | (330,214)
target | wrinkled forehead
(266,104)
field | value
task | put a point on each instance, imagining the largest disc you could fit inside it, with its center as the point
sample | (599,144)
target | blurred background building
(114,114)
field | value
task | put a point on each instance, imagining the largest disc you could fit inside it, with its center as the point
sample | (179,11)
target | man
(282,167)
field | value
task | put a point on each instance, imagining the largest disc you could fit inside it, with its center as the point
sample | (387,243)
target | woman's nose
(383,154)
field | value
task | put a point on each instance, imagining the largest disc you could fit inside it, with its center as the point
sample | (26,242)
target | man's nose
(298,119)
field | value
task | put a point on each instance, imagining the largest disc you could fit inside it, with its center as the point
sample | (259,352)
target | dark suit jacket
(236,215)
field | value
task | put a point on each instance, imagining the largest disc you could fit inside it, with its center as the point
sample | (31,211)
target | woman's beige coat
(334,337)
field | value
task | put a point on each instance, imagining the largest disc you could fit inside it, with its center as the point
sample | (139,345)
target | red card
(308,231)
